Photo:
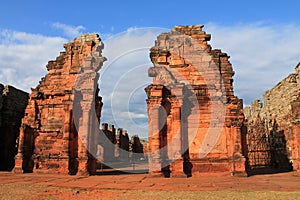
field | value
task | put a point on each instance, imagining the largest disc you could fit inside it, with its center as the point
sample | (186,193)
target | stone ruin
(123,145)
(196,124)
(107,141)
(195,120)
(137,147)
(12,106)
(278,121)
(117,147)
(57,133)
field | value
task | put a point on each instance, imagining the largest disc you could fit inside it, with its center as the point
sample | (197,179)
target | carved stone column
(296,135)
(19,156)
(154,93)
(296,151)
(87,147)
(175,144)
(154,138)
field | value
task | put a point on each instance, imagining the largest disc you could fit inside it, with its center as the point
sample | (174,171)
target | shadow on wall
(185,112)
(266,150)
(12,107)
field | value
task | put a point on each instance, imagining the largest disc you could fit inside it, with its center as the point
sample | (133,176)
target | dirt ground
(143,186)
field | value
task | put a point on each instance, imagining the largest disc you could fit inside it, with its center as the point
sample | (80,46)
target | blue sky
(116,16)
(262,38)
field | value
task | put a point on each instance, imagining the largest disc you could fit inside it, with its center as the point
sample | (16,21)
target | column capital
(154,101)
(86,105)
(176,101)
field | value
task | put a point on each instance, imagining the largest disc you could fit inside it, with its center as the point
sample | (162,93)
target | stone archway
(206,117)
(60,128)
(192,85)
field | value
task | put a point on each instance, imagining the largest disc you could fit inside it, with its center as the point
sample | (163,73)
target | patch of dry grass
(38,192)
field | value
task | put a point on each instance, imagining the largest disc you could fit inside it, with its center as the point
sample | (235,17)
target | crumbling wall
(123,145)
(107,143)
(280,113)
(195,121)
(60,128)
(12,107)
(116,148)
(137,148)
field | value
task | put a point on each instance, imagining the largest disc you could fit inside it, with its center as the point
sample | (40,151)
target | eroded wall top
(63,110)
(277,101)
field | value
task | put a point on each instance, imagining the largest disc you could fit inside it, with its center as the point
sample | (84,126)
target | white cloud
(68,30)
(124,77)
(261,54)
(24,57)
(8,74)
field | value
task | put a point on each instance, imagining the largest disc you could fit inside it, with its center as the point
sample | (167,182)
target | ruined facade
(137,147)
(195,121)
(60,128)
(123,145)
(279,120)
(107,141)
(12,107)
(116,147)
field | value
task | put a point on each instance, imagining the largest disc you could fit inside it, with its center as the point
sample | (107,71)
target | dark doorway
(266,149)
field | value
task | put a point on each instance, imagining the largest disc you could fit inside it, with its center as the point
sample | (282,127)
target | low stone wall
(280,114)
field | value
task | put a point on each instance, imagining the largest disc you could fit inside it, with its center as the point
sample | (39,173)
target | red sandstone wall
(281,107)
(192,109)
(63,111)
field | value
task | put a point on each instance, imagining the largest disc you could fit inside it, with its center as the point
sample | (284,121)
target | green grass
(27,191)
(211,195)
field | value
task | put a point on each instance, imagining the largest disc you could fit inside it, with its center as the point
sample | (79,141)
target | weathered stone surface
(107,143)
(12,107)
(123,145)
(137,148)
(60,128)
(116,148)
(280,116)
(194,118)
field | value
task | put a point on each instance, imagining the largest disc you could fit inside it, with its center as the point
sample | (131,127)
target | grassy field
(37,192)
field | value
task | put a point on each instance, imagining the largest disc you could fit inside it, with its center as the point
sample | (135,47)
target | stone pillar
(296,135)
(83,132)
(108,141)
(67,128)
(86,84)
(175,147)
(112,142)
(117,149)
(154,137)
(124,146)
(24,160)
(296,151)
(87,148)
(19,156)
(239,161)
(93,138)
(154,101)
